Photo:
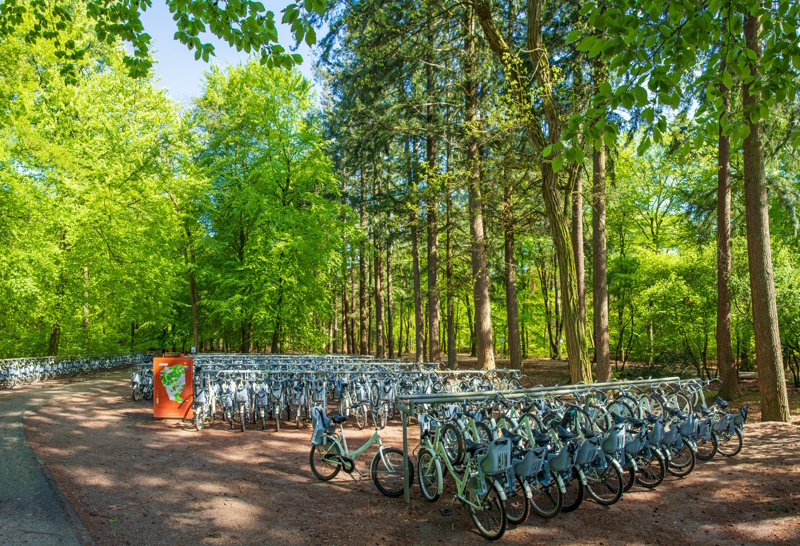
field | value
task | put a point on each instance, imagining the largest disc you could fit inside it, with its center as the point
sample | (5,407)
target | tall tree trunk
(418,324)
(510,273)
(451,330)
(54,339)
(577,240)
(480,274)
(334,343)
(379,346)
(389,301)
(434,354)
(599,265)
(362,272)
(726,364)
(370,269)
(85,308)
(769,359)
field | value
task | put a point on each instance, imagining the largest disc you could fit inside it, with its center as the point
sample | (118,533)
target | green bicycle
(330,454)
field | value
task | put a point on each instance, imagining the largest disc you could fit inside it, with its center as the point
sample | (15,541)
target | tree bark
(510,274)
(599,265)
(577,241)
(389,301)
(725,360)
(434,353)
(769,359)
(379,346)
(483,316)
(451,329)
(418,322)
(362,272)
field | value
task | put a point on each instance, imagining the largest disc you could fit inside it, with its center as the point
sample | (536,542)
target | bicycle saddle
(721,403)
(650,417)
(588,433)
(564,435)
(618,419)
(636,422)
(473,448)
(339,419)
(541,439)
(677,413)
(515,438)
(705,411)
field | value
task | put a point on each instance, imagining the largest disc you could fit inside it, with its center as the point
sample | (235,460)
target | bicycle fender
(526,486)
(617,465)
(499,489)
(581,475)
(561,484)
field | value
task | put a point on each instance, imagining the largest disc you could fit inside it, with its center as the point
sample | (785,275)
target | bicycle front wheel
(490,518)
(706,448)
(517,506)
(430,475)
(682,462)
(546,500)
(325,462)
(387,471)
(652,471)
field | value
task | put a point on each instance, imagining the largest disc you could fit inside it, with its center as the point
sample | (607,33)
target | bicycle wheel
(706,448)
(148,394)
(243,419)
(137,394)
(485,435)
(199,420)
(277,414)
(490,518)
(730,445)
(453,442)
(325,462)
(606,487)
(517,506)
(651,471)
(628,479)
(573,497)
(361,416)
(430,475)
(682,462)
(380,417)
(546,500)
(387,471)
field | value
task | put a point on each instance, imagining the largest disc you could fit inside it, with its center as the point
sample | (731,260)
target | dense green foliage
(457,142)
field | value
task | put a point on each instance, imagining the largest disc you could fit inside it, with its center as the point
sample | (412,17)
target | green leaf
(311,36)
(796,62)
(727,79)
(558,162)
(546,152)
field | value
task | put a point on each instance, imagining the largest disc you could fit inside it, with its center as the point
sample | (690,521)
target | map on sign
(174,379)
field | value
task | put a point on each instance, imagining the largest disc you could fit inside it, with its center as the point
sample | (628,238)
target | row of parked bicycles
(509,454)
(26,371)
(287,392)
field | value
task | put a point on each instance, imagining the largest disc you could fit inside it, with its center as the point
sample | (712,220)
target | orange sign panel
(172,387)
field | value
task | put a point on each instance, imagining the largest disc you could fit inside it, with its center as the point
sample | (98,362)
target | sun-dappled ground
(135,480)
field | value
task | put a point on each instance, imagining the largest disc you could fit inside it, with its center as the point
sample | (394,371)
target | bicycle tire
(430,475)
(389,480)
(574,494)
(453,442)
(323,454)
(649,477)
(682,462)
(491,504)
(199,420)
(547,501)
(519,504)
(608,489)
(707,448)
(722,446)
(628,478)
(361,417)
(485,435)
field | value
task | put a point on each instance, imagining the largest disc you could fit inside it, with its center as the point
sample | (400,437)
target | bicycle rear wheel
(387,471)
(706,448)
(491,518)
(606,487)
(730,445)
(324,462)
(682,462)
(574,495)
(517,506)
(652,471)
(546,500)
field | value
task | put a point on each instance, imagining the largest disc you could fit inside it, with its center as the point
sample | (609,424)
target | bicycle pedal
(447,512)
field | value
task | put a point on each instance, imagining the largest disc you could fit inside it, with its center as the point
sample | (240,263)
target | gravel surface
(135,480)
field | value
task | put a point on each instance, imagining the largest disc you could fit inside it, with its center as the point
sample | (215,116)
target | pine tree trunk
(434,354)
(362,273)
(389,301)
(451,327)
(380,351)
(599,265)
(480,275)
(725,360)
(510,277)
(577,241)
(769,359)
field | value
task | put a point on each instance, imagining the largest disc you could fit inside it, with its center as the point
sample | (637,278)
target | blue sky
(176,68)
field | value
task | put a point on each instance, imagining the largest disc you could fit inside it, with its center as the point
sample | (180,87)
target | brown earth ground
(136,480)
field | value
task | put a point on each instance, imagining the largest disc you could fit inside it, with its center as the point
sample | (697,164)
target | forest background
(612,182)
